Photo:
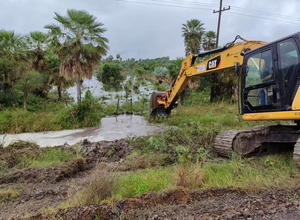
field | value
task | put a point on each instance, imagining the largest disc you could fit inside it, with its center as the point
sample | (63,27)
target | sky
(149,29)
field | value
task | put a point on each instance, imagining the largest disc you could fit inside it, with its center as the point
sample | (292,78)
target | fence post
(131,104)
(118,105)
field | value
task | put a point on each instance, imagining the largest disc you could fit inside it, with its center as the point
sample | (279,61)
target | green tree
(37,42)
(160,72)
(174,67)
(13,57)
(119,57)
(30,81)
(83,44)
(110,73)
(52,64)
(193,32)
(209,40)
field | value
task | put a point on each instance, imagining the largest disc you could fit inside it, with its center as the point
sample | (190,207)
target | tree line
(68,52)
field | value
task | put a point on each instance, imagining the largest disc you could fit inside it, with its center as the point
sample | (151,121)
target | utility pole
(215,89)
(219,22)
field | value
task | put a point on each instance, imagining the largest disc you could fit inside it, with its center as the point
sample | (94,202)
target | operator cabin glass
(288,63)
(259,72)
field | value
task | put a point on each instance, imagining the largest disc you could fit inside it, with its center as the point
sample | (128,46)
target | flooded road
(111,128)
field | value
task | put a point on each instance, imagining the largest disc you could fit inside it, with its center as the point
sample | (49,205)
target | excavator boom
(161,103)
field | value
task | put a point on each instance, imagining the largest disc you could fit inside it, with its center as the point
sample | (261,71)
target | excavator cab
(270,81)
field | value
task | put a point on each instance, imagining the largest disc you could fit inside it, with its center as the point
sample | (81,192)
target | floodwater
(97,90)
(111,128)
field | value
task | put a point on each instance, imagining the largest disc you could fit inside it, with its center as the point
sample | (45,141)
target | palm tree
(193,31)
(37,42)
(12,46)
(82,44)
(174,67)
(13,53)
(209,40)
(52,64)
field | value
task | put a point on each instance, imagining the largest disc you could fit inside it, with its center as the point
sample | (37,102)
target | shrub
(110,72)
(7,195)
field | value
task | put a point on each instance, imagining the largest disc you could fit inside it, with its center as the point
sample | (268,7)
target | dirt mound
(18,152)
(104,151)
(49,174)
(220,203)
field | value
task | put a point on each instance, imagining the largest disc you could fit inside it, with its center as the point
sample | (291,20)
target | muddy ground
(41,188)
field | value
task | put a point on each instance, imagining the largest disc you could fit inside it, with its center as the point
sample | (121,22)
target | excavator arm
(161,103)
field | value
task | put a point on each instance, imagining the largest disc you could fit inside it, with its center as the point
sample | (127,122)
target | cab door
(259,81)
(288,68)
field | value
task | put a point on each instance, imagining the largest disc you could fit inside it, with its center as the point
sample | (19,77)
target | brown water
(111,128)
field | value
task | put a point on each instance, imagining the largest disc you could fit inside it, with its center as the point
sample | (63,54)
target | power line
(255,16)
(232,7)
(264,12)
(174,6)
(254,11)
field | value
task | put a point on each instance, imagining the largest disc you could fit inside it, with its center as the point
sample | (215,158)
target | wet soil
(49,186)
(41,188)
(179,204)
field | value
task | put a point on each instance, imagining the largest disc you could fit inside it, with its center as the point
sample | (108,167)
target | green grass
(7,195)
(53,156)
(253,174)
(268,173)
(151,180)
(223,113)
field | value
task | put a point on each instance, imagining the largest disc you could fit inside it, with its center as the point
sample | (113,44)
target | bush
(87,113)
(188,141)
(7,195)
(160,71)
(110,73)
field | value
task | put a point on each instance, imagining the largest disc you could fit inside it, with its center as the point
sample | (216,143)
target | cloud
(151,31)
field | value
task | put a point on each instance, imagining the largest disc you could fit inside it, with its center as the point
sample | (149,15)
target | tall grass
(53,156)
(151,180)
(224,113)
(252,174)
(7,195)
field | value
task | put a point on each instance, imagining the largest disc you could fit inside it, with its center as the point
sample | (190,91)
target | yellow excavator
(269,90)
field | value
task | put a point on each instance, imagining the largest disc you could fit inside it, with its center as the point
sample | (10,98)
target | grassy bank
(253,175)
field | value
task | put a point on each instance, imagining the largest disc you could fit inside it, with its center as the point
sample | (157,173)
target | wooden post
(118,106)
(131,104)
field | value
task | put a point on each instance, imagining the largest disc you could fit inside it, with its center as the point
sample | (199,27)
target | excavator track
(258,140)
(296,154)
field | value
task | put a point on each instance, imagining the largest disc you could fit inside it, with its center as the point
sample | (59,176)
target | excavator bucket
(157,107)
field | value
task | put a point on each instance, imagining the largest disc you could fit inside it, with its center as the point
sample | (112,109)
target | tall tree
(209,40)
(82,44)
(37,42)
(31,81)
(13,54)
(193,32)
(52,64)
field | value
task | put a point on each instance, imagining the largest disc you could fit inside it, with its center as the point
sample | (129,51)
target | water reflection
(110,92)
(111,128)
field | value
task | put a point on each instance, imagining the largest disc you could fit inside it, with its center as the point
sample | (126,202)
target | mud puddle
(111,128)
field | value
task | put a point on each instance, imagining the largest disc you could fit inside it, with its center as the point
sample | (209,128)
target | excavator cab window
(288,61)
(259,82)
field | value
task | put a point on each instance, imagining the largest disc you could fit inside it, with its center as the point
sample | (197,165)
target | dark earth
(48,187)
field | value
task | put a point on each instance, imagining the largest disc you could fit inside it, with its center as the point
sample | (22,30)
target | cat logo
(214,63)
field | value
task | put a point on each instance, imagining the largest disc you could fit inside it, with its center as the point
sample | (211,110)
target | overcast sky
(146,30)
